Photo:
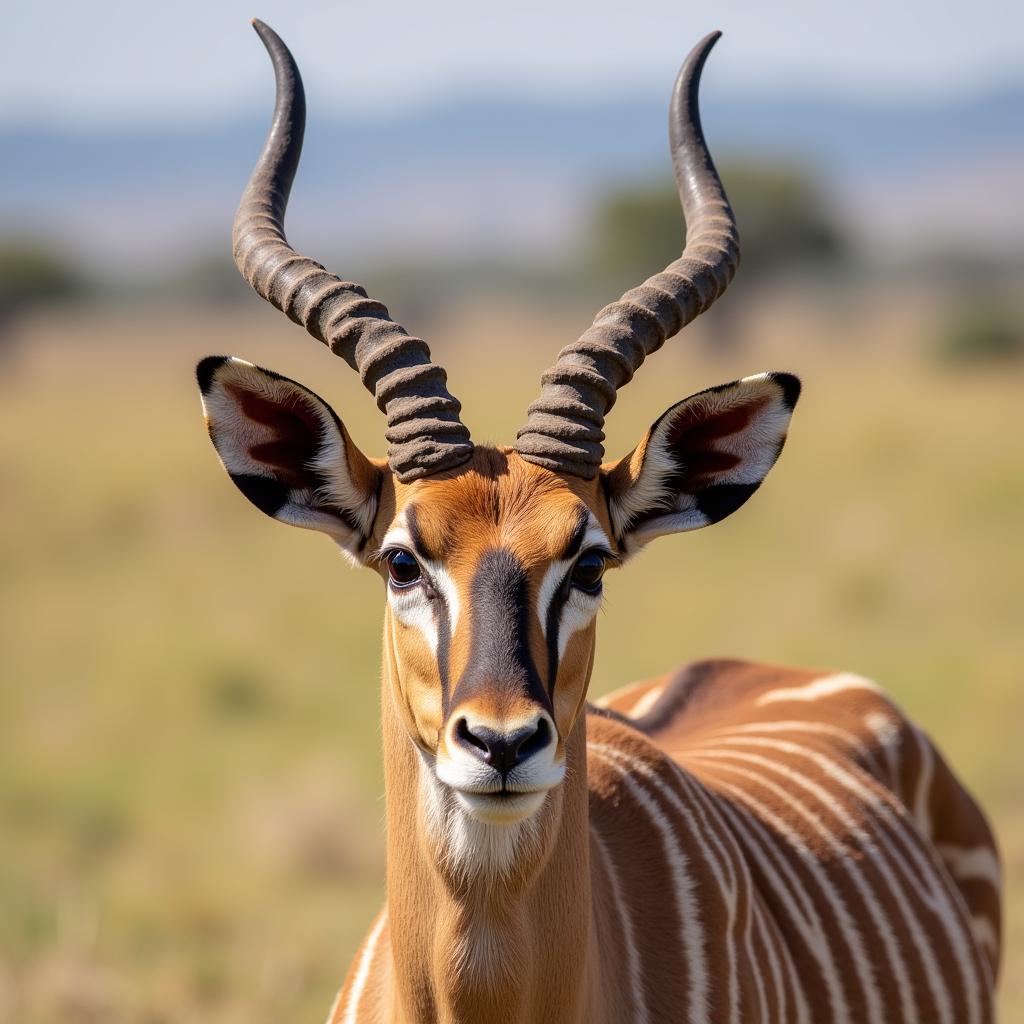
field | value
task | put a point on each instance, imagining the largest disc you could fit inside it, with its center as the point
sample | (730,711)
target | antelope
(729,842)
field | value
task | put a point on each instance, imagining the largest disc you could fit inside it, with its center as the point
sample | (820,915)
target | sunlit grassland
(190,817)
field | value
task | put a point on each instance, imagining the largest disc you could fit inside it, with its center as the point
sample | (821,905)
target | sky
(113,61)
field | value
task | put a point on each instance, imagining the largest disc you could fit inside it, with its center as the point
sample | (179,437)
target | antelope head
(492,558)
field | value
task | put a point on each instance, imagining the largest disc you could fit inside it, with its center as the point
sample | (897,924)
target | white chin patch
(500,809)
(478,834)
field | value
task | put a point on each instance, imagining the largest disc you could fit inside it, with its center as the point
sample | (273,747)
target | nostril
(502,751)
(468,738)
(533,742)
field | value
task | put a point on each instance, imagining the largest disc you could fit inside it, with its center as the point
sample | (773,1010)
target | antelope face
(494,580)
(492,558)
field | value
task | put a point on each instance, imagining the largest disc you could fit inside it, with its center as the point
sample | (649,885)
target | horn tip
(705,46)
(264,31)
(690,72)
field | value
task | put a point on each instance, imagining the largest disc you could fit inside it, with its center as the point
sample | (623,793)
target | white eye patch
(414,609)
(579,609)
(412,605)
(577,613)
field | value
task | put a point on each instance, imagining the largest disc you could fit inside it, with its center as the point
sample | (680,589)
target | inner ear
(294,437)
(702,459)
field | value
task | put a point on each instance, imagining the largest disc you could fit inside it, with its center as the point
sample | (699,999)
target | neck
(487,923)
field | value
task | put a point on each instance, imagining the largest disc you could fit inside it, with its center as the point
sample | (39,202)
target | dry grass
(189,777)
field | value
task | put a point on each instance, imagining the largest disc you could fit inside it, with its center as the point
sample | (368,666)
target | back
(873,877)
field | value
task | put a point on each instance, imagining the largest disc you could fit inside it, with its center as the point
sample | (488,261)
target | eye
(403,569)
(588,570)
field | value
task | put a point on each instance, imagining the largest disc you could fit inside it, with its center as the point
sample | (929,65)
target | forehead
(500,500)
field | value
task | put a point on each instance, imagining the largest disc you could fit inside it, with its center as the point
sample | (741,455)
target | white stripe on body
(792,897)
(827,687)
(693,830)
(847,925)
(922,875)
(355,993)
(636,988)
(852,869)
(715,826)
(691,931)
(854,742)
(646,702)
(972,864)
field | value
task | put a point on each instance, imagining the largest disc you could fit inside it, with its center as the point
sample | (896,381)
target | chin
(501,808)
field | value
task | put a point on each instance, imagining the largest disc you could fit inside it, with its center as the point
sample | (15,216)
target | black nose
(501,750)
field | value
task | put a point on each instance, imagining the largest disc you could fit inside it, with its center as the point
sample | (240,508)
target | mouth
(502,806)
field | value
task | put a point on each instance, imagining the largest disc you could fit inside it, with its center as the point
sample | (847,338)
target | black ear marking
(721,500)
(790,386)
(206,369)
(267,495)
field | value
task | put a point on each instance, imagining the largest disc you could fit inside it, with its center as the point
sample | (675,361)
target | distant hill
(500,174)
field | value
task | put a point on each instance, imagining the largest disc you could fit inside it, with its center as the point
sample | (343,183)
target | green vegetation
(982,328)
(785,219)
(33,273)
(189,769)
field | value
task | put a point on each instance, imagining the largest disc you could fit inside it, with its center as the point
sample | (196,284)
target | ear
(287,451)
(701,460)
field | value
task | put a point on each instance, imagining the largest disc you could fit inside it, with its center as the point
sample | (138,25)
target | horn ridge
(564,427)
(425,432)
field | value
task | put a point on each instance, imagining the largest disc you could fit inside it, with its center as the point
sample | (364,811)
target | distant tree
(209,278)
(34,274)
(979,329)
(784,220)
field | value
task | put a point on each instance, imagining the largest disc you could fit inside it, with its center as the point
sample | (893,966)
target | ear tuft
(206,369)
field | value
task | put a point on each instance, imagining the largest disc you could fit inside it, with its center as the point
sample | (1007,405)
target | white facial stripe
(398,536)
(580,608)
(577,613)
(446,587)
(548,588)
(595,537)
(412,606)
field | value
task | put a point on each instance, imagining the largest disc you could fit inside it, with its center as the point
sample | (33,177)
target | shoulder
(723,694)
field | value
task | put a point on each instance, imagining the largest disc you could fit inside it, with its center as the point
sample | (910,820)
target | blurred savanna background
(190,788)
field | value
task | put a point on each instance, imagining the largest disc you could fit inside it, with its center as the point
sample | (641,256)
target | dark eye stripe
(419,545)
(576,540)
(444,639)
(554,619)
